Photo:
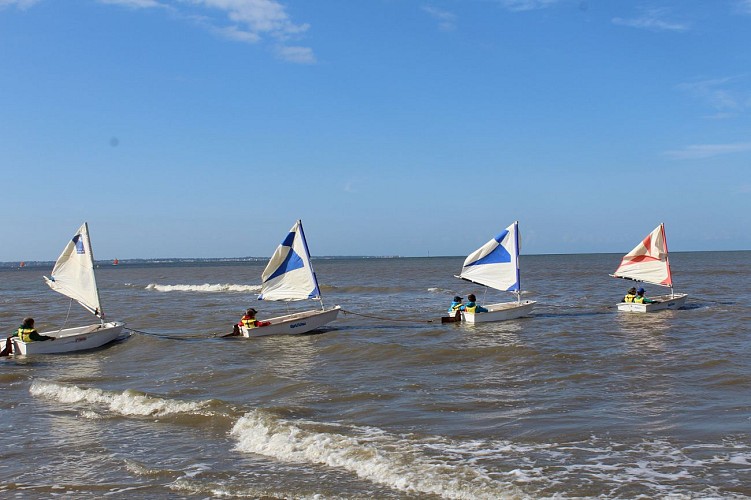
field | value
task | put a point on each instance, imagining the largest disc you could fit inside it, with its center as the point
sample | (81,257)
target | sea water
(576,400)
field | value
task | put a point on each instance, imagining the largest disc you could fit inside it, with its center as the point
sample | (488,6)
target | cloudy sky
(205,128)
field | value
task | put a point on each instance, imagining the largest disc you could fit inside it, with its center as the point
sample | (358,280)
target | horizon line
(263,259)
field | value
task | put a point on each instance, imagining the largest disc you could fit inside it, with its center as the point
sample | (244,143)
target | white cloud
(653,20)
(251,21)
(257,16)
(522,5)
(237,34)
(21,4)
(698,151)
(247,21)
(135,4)
(744,6)
(729,96)
(446,20)
(300,55)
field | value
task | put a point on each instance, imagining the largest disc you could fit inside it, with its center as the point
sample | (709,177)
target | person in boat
(630,295)
(472,305)
(249,321)
(456,305)
(641,299)
(27,333)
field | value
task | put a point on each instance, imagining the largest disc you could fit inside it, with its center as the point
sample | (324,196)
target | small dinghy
(648,263)
(288,277)
(496,265)
(73,276)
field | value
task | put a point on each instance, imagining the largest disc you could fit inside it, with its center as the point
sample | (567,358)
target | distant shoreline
(186,260)
(235,260)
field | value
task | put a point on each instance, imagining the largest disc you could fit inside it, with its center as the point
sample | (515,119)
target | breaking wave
(205,288)
(127,403)
(436,465)
(397,462)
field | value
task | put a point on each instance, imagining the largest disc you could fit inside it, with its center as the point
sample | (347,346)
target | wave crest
(396,462)
(205,288)
(127,403)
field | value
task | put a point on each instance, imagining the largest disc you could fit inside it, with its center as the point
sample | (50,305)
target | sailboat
(288,277)
(73,276)
(496,265)
(648,262)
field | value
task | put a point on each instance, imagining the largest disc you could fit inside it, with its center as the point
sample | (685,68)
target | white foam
(125,403)
(219,490)
(660,467)
(396,462)
(205,288)
(739,460)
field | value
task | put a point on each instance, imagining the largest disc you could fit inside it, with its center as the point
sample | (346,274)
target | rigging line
(171,336)
(386,319)
(66,316)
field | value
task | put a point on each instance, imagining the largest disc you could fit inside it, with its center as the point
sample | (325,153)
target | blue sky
(205,128)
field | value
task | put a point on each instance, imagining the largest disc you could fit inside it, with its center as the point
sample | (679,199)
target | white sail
(288,275)
(648,262)
(496,263)
(73,274)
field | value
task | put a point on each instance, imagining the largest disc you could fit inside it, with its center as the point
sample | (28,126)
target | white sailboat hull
(293,324)
(675,301)
(69,340)
(500,312)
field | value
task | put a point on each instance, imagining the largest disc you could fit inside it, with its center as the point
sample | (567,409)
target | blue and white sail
(496,263)
(289,275)
(73,274)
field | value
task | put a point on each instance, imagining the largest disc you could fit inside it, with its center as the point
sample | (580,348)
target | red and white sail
(648,262)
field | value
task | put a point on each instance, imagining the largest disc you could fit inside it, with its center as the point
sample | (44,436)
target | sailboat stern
(500,312)
(293,324)
(80,338)
(675,301)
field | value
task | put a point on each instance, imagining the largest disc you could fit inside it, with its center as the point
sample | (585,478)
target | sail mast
(495,264)
(518,276)
(91,261)
(288,276)
(73,273)
(667,259)
(647,262)
(310,264)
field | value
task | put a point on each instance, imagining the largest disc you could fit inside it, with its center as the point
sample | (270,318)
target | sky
(206,128)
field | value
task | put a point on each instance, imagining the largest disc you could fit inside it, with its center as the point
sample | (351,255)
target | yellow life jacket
(248,322)
(24,334)
(629,297)
(639,299)
(456,307)
(470,309)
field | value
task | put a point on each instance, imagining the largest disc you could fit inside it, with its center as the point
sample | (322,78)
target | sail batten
(73,273)
(648,261)
(289,274)
(496,263)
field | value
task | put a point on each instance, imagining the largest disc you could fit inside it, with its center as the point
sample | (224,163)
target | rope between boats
(215,335)
(387,319)
(171,336)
